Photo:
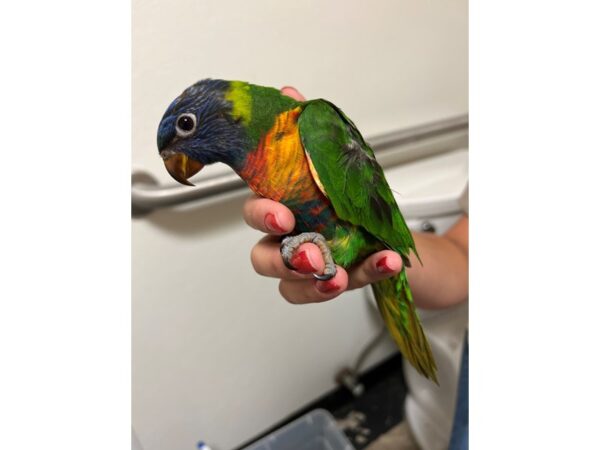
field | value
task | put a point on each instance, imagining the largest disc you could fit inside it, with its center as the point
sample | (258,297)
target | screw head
(427,227)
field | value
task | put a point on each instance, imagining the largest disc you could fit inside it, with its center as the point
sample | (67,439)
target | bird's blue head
(199,128)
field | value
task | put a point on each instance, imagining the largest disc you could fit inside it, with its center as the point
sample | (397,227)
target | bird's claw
(291,243)
(325,276)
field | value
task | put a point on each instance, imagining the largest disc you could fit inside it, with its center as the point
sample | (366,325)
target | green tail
(398,311)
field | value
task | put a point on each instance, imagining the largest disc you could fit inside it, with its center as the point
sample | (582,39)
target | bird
(311,157)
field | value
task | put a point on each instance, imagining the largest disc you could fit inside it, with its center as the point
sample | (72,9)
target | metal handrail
(147,195)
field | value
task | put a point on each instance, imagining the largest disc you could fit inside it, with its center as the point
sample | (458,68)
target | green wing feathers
(353,180)
(359,193)
(398,311)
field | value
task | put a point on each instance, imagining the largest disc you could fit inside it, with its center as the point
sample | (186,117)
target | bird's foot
(291,243)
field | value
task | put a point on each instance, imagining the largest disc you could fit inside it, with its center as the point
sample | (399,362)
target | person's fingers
(376,267)
(267,261)
(292,92)
(314,291)
(268,216)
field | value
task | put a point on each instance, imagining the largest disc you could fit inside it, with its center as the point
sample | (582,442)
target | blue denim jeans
(459,440)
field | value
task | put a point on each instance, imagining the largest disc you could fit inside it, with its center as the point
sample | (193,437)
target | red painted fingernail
(272,224)
(327,286)
(302,262)
(382,265)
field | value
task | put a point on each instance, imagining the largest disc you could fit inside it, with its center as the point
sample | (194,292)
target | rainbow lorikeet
(312,158)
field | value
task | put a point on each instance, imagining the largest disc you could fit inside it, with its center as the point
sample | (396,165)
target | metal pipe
(147,195)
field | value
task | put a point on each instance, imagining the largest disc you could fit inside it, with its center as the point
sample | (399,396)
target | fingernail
(273,224)
(382,265)
(302,262)
(327,286)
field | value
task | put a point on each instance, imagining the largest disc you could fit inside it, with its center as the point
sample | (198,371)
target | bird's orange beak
(180,166)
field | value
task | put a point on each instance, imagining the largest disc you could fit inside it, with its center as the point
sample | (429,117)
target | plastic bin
(313,431)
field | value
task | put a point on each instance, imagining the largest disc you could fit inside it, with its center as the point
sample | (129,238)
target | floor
(381,407)
(398,438)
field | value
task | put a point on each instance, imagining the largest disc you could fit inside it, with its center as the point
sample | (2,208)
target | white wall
(217,355)
(387,64)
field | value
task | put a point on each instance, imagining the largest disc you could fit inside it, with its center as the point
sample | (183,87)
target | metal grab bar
(147,195)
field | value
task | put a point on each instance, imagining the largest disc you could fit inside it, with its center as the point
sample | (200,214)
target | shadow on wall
(211,216)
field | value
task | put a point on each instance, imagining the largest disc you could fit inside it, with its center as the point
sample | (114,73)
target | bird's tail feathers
(398,311)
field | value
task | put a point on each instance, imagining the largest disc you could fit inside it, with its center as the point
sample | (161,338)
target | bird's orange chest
(278,168)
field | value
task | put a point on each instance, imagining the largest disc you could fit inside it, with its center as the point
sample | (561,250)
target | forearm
(443,279)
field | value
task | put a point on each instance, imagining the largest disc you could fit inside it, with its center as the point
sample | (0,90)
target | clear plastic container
(313,431)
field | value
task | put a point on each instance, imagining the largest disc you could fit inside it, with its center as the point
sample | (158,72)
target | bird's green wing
(350,176)
(345,168)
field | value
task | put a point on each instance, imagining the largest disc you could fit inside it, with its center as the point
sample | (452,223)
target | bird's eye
(186,124)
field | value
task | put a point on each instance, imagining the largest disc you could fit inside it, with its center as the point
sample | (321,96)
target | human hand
(299,286)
